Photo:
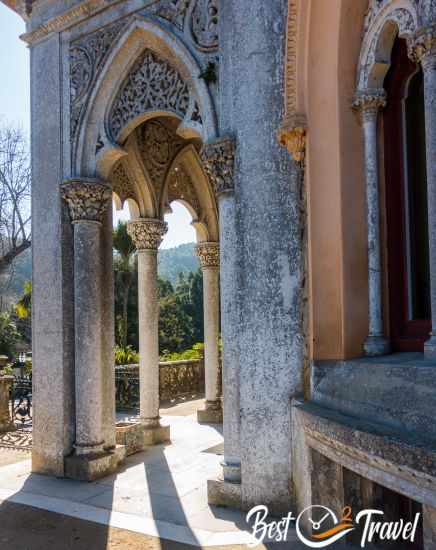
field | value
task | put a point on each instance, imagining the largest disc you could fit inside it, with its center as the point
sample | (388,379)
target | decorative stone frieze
(219,164)
(87,199)
(294,139)
(147,234)
(152,85)
(208,254)
(369,103)
(423,47)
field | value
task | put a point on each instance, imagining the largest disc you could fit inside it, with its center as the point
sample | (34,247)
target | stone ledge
(210,416)
(225,494)
(90,468)
(155,436)
(401,447)
(131,436)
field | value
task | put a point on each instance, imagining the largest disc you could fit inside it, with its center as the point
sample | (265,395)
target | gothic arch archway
(143,52)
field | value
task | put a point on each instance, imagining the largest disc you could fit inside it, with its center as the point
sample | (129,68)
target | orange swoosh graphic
(333,531)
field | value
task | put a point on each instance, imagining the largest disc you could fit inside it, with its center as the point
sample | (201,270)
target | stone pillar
(424,51)
(88,200)
(369,105)
(218,161)
(209,255)
(270,253)
(6,422)
(147,235)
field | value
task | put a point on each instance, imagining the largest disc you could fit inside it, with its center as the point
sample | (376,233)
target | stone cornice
(87,199)
(147,234)
(68,18)
(208,254)
(219,164)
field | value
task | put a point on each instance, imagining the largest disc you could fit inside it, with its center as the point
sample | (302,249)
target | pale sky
(15,109)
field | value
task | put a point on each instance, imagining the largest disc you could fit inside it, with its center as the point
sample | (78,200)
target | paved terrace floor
(159,495)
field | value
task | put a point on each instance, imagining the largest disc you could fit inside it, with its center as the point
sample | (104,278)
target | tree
(15,180)
(124,268)
(9,335)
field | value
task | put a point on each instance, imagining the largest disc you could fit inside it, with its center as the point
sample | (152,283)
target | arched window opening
(406,203)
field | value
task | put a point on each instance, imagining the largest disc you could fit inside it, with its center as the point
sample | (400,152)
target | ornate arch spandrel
(384,20)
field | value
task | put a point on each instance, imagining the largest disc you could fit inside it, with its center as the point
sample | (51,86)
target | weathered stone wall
(270,254)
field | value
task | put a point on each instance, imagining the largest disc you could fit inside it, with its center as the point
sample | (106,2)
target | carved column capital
(209,254)
(219,164)
(147,234)
(87,199)
(422,48)
(369,102)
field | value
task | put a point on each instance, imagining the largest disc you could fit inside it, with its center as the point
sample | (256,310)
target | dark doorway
(406,203)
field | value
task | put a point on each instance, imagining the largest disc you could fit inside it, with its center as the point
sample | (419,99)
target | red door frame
(406,335)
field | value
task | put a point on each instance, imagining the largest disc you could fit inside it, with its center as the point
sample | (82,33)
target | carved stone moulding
(218,160)
(152,85)
(208,254)
(87,199)
(293,134)
(147,234)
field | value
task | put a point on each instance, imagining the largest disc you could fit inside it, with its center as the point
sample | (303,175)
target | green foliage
(124,267)
(195,352)
(126,356)
(23,307)
(9,335)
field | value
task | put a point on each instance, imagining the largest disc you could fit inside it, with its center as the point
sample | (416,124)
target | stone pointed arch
(197,195)
(384,20)
(95,141)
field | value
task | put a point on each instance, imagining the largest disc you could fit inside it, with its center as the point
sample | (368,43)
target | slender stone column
(209,254)
(369,105)
(88,201)
(147,235)
(424,51)
(218,161)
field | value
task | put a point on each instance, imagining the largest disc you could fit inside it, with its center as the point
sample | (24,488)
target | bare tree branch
(14,195)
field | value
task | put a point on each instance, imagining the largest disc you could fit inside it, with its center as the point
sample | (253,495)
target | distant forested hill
(172,261)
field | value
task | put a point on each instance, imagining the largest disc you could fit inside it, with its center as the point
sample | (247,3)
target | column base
(225,494)
(7,427)
(430,347)
(211,414)
(376,345)
(231,471)
(156,435)
(96,466)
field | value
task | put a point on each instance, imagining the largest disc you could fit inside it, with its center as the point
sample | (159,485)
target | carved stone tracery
(158,146)
(219,164)
(180,187)
(147,234)
(121,183)
(208,254)
(87,199)
(152,85)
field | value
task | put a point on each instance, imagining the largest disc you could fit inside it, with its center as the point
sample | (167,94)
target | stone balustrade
(176,379)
